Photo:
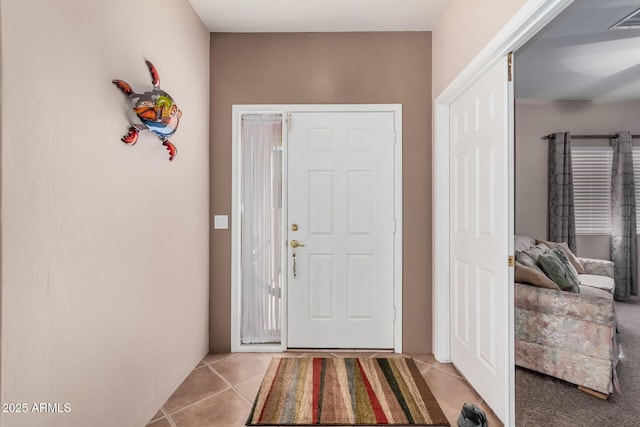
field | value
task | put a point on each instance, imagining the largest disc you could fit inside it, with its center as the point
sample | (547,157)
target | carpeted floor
(545,401)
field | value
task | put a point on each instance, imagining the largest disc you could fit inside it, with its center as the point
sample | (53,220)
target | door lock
(295,244)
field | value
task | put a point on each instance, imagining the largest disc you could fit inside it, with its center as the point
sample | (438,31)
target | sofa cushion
(576,306)
(595,292)
(525,259)
(565,261)
(557,271)
(565,248)
(599,267)
(599,282)
(522,243)
(536,251)
(535,277)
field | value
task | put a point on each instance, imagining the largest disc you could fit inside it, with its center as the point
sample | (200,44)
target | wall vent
(630,21)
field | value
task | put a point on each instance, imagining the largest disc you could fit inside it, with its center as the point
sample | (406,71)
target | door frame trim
(527,22)
(237,111)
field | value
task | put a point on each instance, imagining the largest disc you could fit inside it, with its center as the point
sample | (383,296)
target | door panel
(341,197)
(479,237)
(320,185)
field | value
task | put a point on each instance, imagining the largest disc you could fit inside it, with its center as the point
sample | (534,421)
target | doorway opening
(316,227)
(530,19)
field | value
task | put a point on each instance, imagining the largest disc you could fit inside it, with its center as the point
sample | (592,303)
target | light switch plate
(221,222)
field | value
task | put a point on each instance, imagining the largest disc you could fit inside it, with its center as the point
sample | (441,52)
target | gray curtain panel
(624,243)
(561,218)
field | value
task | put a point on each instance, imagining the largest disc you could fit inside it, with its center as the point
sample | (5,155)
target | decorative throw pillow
(526,260)
(570,255)
(522,243)
(562,257)
(536,251)
(535,277)
(555,270)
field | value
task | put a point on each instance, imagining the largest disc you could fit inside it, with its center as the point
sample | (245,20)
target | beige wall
(535,119)
(1,202)
(462,31)
(331,68)
(104,246)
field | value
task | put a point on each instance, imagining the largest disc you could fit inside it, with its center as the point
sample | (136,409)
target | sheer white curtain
(261,234)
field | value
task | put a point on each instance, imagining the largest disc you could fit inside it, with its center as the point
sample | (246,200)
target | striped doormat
(344,391)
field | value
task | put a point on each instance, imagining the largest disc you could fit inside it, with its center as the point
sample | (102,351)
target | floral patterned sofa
(571,336)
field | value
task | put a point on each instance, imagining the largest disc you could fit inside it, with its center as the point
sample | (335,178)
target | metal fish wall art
(156,110)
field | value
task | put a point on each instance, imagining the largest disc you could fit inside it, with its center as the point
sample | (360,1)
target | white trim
(530,19)
(397,253)
(284,323)
(441,247)
(526,23)
(511,202)
(237,111)
(236,161)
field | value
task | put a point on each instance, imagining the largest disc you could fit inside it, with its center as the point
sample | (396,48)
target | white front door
(479,233)
(341,208)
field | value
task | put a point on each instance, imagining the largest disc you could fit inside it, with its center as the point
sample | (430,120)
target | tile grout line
(429,367)
(219,360)
(424,363)
(167,416)
(204,365)
(432,366)
(230,385)
(450,373)
(438,401)
(173,423)
(423,373)
(197,401)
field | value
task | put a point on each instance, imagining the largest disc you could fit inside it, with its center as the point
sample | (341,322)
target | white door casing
(479,233)
(340,197)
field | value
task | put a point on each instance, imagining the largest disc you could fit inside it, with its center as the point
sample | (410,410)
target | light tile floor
(220,390)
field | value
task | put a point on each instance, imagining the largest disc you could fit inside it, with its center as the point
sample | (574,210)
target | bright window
(592,188)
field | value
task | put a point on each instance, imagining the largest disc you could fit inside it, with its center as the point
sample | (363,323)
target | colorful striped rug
(344,391)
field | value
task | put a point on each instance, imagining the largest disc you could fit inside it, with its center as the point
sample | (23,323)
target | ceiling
(577,56)
(268,16)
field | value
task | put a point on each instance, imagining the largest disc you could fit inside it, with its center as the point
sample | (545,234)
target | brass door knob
(295,244)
